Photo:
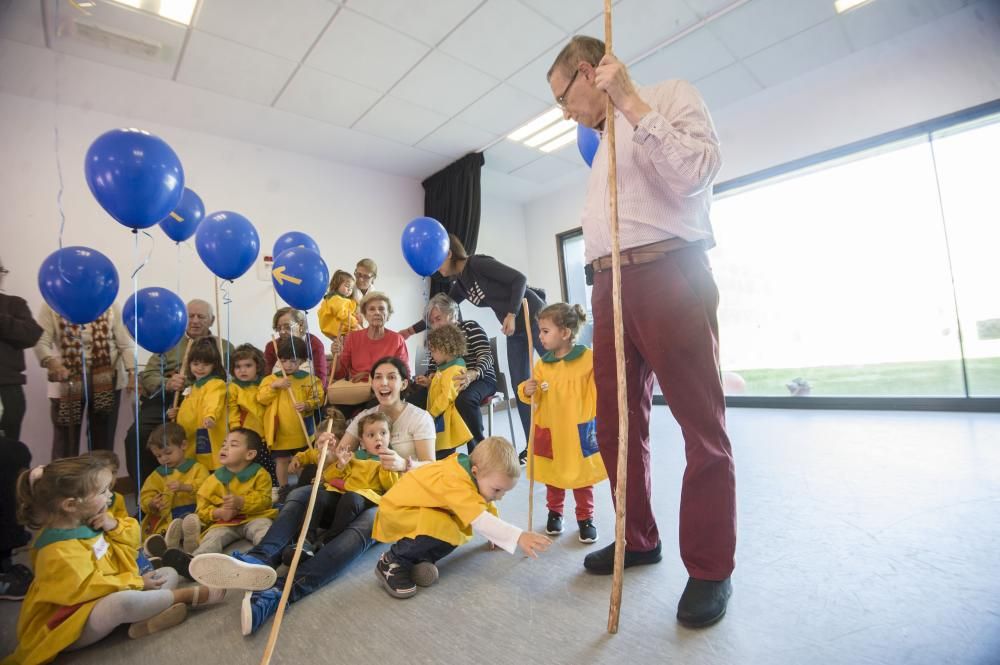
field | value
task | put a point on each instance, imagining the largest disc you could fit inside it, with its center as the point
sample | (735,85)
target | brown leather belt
(644,253)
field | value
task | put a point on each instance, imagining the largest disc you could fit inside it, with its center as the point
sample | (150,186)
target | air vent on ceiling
(113,40)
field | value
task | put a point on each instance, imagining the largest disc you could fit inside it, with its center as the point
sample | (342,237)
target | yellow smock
(338,315)
(249,412)
(448,423)
(252,483)
(208,398)
(282,430)
(179,504)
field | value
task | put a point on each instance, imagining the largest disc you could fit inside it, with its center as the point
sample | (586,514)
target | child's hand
(530,386)
(103,522)
(172,413)
(281,384)
(223,514)
(152,580)
(294,466)
(156,505)
(209,422)
(531,543)
(233,502)
(176,486)
(300,406)
(175,383)
(344,456)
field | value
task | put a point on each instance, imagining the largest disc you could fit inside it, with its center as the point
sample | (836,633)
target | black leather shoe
(703,602)
(179,560)
(602,562)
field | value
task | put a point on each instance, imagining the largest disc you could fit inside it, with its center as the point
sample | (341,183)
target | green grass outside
(938,378)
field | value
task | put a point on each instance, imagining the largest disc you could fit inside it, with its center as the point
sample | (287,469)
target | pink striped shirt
(666,166)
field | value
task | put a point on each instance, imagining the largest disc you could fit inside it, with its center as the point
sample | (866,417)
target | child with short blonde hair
(447,346)
(436,507)
(87,582)
(565,437)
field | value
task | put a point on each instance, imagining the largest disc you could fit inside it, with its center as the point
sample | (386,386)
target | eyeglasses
(362,275)
(561,99)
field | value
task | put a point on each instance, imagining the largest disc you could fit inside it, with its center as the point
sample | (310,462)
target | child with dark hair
(248,368)
(169,492)
(284,408)
(233,503)
(203,414)
(447,346)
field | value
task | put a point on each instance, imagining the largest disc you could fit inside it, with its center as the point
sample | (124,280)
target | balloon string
(135,357)
(86,393)
(312,366)
(178,269)
(55,132)
(152,245)
(226,300)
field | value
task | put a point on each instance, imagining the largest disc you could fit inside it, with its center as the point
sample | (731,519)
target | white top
(413,424)
(666,167)
(502,534)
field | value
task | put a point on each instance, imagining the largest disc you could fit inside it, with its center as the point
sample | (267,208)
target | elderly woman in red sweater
(361,348)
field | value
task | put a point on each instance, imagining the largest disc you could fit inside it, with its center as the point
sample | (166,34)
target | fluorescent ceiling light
(550,133)
(846,5)
(539,123)
(178,11)
(559,142)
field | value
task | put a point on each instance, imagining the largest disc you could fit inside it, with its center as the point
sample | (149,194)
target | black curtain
(452,196)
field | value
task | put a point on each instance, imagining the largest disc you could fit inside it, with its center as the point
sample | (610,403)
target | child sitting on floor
(435,508)
(447,346)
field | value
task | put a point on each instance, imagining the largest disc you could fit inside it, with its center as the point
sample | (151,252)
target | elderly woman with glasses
(478,382)
(365,273)
(290,321)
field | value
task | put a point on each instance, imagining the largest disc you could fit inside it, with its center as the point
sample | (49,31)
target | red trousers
(671,330)
(555,499)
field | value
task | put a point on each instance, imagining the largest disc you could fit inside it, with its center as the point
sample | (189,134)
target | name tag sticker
(100,547)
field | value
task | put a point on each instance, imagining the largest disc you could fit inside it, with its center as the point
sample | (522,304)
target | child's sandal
(168,618)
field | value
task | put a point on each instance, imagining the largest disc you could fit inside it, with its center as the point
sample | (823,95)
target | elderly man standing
(158,389)
(667,157)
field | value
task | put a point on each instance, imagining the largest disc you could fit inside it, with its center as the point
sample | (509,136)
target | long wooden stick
(531,428)
(312,360)
(218,323)
(336,358)
(614,609)
(272,639)
(291,393)
(184,360)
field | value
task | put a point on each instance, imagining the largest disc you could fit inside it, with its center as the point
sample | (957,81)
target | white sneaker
(223,571)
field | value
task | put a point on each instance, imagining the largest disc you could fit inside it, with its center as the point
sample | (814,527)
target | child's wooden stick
(334,360)
(182,369)
(531,427)
(291,393)
(290,576)
(614,609)
(218,323)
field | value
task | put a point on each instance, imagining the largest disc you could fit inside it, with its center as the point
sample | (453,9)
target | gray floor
(864,538)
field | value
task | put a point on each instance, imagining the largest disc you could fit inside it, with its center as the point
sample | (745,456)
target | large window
(871,271)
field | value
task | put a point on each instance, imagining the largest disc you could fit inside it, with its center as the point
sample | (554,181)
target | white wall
(350,212)
(928,72)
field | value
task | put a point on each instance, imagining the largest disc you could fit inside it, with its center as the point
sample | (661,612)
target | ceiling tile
(456,138)
(325,97)
(507,156)
(569,153)
(638,25)
(878,21)
(233,69)
(567,15)
(761,23)
(532,78)
(697,55)
(805,51)
(359,49)
(501,37)
(444,84)
(502,110)
(256,23)
(727,86)
(544,169)
(427,21)
(705,8)
(401,121)
(22,22)
(151,45)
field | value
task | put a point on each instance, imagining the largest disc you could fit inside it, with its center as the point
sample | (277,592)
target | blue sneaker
(236,571)
(258,607)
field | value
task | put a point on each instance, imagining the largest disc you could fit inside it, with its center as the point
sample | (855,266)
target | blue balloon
(425,245)
(160,317)
(181,224)
(293,239)
(227,243)
(78,283)
(300,277)
(587,140)
(135,176)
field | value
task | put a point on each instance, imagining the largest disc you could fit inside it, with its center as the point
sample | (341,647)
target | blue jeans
(329,562)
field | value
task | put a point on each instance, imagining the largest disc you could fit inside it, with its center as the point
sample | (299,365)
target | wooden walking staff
(616,302)
(291,393)
(531,427)
(218,323)
(272,639)
(182,369)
